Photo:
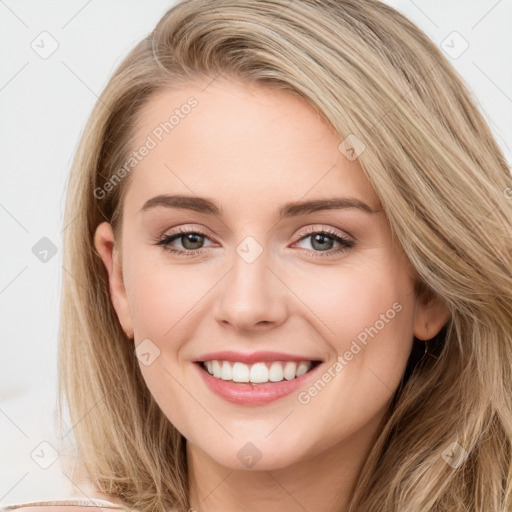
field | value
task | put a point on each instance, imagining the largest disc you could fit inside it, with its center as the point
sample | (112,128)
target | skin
(251,149)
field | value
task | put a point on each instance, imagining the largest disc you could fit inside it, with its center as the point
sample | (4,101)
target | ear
(431,314)
(104,243)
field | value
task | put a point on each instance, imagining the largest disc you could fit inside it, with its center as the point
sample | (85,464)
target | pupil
(193,238)
(319,238)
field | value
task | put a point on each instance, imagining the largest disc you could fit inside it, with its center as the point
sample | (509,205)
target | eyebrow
(292,209)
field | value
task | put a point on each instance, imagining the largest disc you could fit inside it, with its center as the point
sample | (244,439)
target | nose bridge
(251,294)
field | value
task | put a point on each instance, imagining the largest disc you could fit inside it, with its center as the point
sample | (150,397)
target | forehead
(239,143)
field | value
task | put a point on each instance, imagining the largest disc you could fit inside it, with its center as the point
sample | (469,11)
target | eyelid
(186,228)
(328,229)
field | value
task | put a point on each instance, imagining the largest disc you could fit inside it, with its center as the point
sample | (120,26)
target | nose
(251,296)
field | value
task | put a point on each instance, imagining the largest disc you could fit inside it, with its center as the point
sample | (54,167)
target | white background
(45,104)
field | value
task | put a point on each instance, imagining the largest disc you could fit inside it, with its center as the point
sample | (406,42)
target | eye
(322,241)
(191,241)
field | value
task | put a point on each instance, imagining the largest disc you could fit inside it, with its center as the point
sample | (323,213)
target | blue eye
(192,242)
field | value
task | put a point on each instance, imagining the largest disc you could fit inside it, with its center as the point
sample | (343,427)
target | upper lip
(253,357)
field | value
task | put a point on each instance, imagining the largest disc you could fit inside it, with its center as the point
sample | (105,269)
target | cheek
(365,317)
(351,298)
(365,313)
(160,298)
(162,301)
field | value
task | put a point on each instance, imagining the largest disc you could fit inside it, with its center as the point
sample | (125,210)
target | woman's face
(258,275)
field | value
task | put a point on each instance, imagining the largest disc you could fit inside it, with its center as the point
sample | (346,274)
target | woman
(288,277)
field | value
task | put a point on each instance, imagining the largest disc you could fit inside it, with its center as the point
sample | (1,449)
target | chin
(254,456)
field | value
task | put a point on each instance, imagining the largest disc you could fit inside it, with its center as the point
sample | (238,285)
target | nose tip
(250,297)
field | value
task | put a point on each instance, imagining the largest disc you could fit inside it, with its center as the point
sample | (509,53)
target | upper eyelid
(332,231)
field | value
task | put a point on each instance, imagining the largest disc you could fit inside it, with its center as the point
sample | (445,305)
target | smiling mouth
(259,372)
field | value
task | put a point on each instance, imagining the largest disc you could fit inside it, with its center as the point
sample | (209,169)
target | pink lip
(242,393)
(255,357)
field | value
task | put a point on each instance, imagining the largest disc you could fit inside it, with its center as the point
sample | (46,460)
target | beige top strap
(68,501)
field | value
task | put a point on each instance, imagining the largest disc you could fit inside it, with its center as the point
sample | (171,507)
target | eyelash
(180,232)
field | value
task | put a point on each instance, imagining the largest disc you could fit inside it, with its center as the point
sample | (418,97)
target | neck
(324,481)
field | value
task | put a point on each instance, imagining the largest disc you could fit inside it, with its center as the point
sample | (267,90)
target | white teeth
(226,372)
(275,373)
(240,372)
(216,369)
(290,370)
(257,373)
(302,369)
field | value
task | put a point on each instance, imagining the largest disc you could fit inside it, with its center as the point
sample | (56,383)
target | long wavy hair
(446,190)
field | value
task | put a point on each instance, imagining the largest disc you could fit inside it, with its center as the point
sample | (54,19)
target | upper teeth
(258,372)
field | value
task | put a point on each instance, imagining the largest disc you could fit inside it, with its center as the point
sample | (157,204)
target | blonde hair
(445,187)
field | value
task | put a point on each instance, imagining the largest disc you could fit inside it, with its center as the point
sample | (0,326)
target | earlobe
(431,314)
(105,246)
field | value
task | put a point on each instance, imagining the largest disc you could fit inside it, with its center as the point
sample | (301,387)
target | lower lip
(242,393)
